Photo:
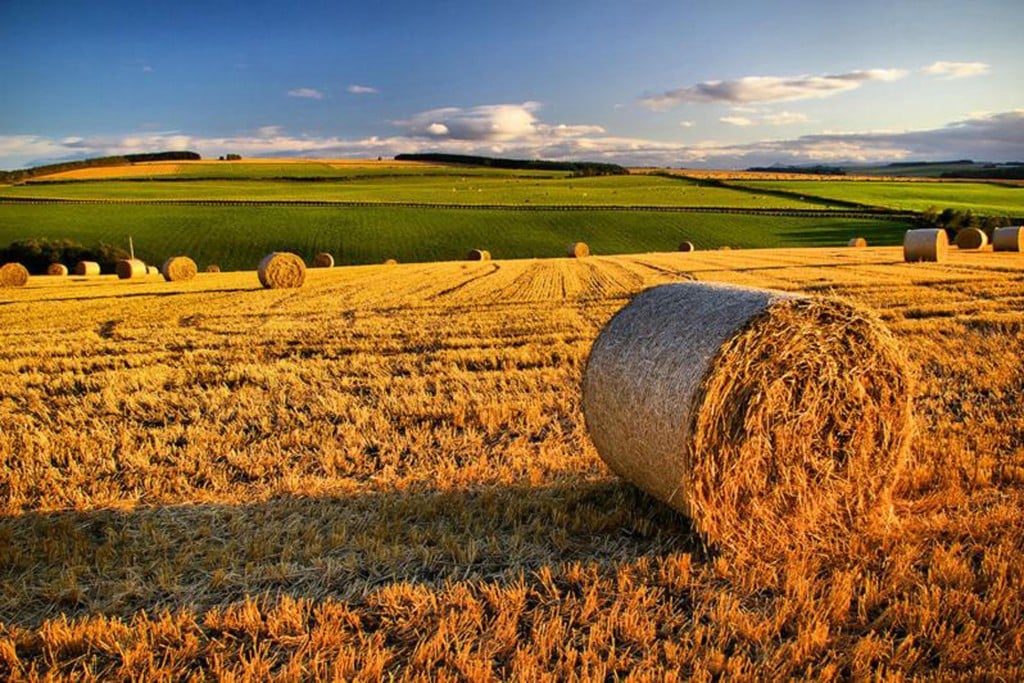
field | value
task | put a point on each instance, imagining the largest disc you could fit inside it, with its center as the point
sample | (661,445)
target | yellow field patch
(156,168)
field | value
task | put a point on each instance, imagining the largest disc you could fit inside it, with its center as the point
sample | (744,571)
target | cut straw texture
(281,270)
(13,275)
(763,416)
(970,238)
(857,242)
(87,268)
(323,260)
(130,268)
(478,255)
(1008,239)
(578,250)
(686,246)
(58,269)
(925,244)
(179,269)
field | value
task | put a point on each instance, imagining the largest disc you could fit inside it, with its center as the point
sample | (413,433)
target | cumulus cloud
(770,88)
(784,118)
(950,70)
(362,90)
(737,120)
(686,124)
(306,93)
(485,122)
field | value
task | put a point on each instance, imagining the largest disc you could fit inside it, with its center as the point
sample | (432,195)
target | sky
(723,84)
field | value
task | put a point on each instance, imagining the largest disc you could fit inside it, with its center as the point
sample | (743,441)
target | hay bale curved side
(152,270)
(578,250)
(971,238)
(87,268)
(686,246)
(281,270)
(58,269)
(478,255)
(323,260)
(755,413)
(130,268)
(925,244)
(179,269)
(13,275)
(857,242)
(1010,238)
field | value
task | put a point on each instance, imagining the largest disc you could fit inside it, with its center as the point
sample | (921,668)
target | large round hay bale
(857,242)
(323,260)
(13,275)
(58,269)
(1008,239)
(478,255)
(130,268)
(578,250)
(87,268)
(925,244)
(970,238)
(281,270)
(686,246)
(756,413)
(179,269)
(213,268)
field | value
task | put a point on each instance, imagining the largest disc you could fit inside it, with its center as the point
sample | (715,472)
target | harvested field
(387,474)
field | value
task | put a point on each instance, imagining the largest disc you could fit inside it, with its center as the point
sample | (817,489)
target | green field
(988,199)
(237,237)
(504,189)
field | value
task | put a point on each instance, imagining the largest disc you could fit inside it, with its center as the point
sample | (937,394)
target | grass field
(237,237)
(386,474)
(982,198)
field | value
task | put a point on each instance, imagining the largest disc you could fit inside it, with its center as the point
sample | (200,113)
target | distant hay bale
(578,250)
(213,268)
(725,248)
(179,269)
(1008,239)
(58,269)
(971,238)
(858,242)
(478,255)
(756,413)
(390,262)
(152,270)
(87,268)
(281,270)
(323,260)
(13,275)
(130,268)
(925,244)
(687,246)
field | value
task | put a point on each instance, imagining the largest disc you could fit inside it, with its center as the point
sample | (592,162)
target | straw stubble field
(387,472)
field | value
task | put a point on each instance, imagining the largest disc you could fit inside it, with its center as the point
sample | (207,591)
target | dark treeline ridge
(37,254)
(578,168)
(809,170)
(989,173)
(26,173)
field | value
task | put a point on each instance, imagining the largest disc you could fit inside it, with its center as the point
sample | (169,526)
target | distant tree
(233,157)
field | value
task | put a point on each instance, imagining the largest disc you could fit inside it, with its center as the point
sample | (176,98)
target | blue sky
(712,84)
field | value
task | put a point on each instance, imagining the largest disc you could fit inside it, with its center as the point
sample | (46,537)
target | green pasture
(237,237)
(989,199)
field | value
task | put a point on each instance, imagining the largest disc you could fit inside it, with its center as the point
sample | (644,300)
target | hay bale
(578,250)
(323,260)
(130,268)
(478,255)
(857,242)
(13,275)
(756,413)
(1008,239)
(925,244)
(687,246)
(152,270)
(179,269)
(725,248)
(390,262)
(970,238)
(281,270)
(58,269)
(87,268)
(213,268)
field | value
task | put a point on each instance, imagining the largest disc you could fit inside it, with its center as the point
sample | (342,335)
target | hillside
(387,473)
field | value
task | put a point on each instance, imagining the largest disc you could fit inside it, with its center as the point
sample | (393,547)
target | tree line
(577,168)
(97,162)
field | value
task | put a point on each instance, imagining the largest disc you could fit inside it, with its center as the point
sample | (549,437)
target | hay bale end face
(925,244)
(478,255)
(970,238)
(323,260)
(578,250)
(689,394)
(857,242)
(179,269)
(87,268)
(58,269)
(130,268)
(281,270)
(13,275)
(1010,238)
(213,268)
(686,246)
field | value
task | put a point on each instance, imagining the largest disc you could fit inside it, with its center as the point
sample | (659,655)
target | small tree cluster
(38,254)
(955,220)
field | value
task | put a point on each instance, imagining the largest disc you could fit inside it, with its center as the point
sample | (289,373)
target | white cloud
(950,70)
(492,122)
(737,120)
(686,124)
(306,93)
(362,90)
(770,88)
(784,118)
